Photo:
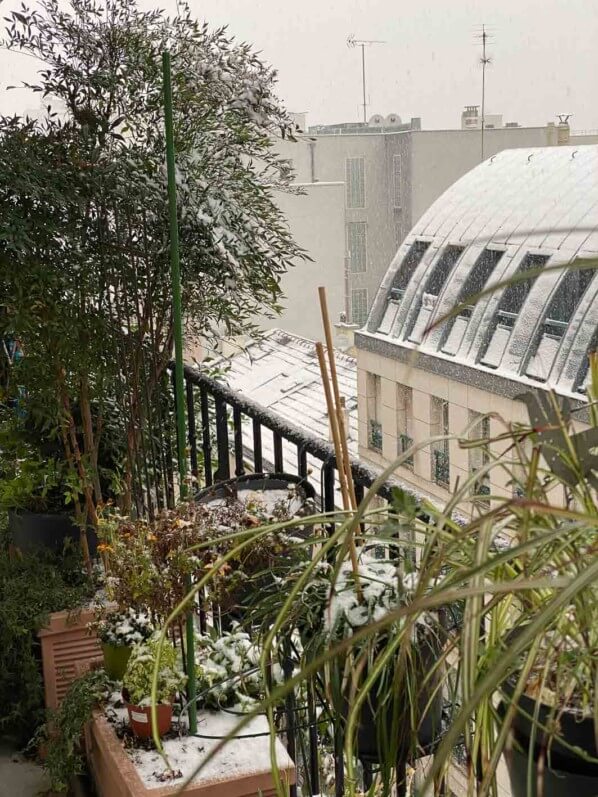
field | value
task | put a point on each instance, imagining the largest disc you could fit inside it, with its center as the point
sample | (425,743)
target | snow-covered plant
(137,681)
(124,628)
(228,671)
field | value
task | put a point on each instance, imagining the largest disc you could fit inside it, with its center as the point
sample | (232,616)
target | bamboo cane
(342,477)
(344,462)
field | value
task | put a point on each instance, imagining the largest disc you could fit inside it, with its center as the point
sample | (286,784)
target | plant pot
(254,482)
(414,735)
(555,782)
(33,530)
(576,731)
(140,719)
(116,658)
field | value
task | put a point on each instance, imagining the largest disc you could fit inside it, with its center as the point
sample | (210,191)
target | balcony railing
(404,443)
(441,466)
(375,435)
(227,431)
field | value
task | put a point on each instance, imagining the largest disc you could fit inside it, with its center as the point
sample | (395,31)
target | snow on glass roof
(521,210)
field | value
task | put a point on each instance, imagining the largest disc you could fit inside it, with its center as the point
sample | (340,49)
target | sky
(544,57)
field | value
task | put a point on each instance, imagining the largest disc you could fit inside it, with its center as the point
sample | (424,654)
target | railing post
(278,458)
(206,445)
(191,430)
(223,472)
(258,463)
(302,462)
(238,430)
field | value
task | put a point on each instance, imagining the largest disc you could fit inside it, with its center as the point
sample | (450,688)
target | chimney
(563,131)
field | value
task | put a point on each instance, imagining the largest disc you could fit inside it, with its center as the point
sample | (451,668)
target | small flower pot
(116,658)
(140,719)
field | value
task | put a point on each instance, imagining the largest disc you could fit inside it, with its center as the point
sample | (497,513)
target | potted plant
(118,633)
(137,686)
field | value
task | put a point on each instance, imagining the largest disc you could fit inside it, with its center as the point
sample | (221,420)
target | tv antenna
(363,43)
(485,60)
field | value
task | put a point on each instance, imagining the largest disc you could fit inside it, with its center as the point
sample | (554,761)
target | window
(404,421)
(410,262)
(374,410)
(432,289)
(355,182)
(479,456)
(566,298)
(357,246)
(475,282)
(514,296)
(509,308)
(439,425)
(359,306)
(396,181)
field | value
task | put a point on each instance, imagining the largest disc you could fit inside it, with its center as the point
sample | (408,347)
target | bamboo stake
(344,462)
(342,477)
(333,425)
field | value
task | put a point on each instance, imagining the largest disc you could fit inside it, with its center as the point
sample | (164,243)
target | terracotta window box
(116,775)
(68,650)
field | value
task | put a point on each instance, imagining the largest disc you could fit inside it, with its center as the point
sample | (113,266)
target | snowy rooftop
(281,373)
(521,210)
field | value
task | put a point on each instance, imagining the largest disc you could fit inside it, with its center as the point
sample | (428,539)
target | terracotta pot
(116,658)
(140,719)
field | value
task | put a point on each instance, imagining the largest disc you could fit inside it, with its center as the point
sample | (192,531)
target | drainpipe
(312,159)
(347,302)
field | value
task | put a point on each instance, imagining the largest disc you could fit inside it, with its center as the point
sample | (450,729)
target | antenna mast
(484,60)
(363,43)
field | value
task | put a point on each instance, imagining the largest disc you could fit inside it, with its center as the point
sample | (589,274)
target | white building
(365,186)
(519,210)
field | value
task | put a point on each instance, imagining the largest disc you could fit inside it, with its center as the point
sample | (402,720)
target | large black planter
(575,730)
(253,482)
(31,531)
(555,782)
(234,607)
(399,715)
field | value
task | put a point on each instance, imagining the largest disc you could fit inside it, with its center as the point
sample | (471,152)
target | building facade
(365,186)
(422,373)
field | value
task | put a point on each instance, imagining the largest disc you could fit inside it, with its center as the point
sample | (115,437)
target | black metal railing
(230,431)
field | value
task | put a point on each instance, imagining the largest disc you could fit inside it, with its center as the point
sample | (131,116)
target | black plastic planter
(576,731)
(418,728)
(31,531)
(254,482)
(554,782)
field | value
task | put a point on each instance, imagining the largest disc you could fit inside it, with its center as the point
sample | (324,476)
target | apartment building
(364,187)
(422,373)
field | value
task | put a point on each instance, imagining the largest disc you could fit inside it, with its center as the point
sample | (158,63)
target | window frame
(348,189)
(352,225)
(364,292)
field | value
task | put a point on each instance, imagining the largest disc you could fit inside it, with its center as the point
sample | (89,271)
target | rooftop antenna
(363,43)
(484,37)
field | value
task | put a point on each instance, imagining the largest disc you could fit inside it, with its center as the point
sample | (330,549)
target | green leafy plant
(137,682)
(31,587)
(62,734)
(126,628)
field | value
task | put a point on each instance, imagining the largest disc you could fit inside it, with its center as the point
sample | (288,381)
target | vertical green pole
(178,354)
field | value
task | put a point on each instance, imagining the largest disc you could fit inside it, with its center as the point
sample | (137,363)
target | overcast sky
(545,56)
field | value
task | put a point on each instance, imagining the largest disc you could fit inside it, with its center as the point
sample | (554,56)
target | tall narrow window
(432,289)
(475,282)
(404,422)
(396,181)
(357,245)
(374,410)
(561,309)
(355,182)
(359,306)
(479,455)
(410,262)
(509,308)
(439,425)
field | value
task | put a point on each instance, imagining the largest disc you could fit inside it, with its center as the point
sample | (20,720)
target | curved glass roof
(524,213)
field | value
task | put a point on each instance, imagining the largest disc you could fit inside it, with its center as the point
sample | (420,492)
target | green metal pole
(175,269)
